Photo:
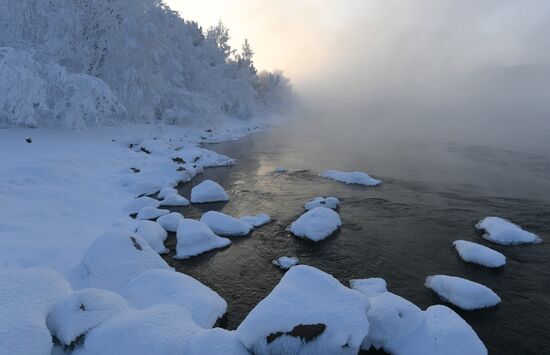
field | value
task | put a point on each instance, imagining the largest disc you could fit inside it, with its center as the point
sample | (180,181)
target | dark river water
(432,194)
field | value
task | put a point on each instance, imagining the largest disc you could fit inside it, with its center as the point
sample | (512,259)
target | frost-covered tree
(98,61)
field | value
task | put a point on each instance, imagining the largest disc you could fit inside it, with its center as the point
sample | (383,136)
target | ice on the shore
(194,238)
(463,293)
(257,220)
(162,329)
(166,191)
(151,213)
(154,234)
(479,254)
(174,200)
(225,225)
(369,287)
(141,202)
(79,312)
(308,312)
(286,262)
(216,341)
(26,297)
(208,191)
(156,287)
(329,202)
(502,231)
(170,221)
(316,224)
(354,177)
(443,332)
(114,259)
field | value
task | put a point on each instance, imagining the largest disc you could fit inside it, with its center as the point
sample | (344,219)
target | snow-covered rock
(195,237)
(286,262)
(280,169)
(155,287)
(308,312)
(174,200)
(257,220)
(162,329)
(141,202)
(479,254)
(165,192)
(208,191)
(114,259)
(442,332)
(151,213)
(225,225)
(154,234)
(369,287)
(316,224)
(502,231)
(26,297)
(216,342)
(330,202)
(155,178)
(79,312)
(462,293)
(354,177)
(170,221)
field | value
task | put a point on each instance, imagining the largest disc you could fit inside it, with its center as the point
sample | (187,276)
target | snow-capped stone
(166,191)
(280,169)
(151,213)
(26,297)
(316,224)
(170,221)
(308,312)
(162,329)
(138,203)
(479,254)
(502,231)
(208,191)
(154,234)
(462,293)
(79,312)
(330,202)
(155,287)
(369,287)
(216,341)
(257,220)
(174,200)
(442,332)
(354,177)
(225,225)
(286,262)
(114,259)
(195,237)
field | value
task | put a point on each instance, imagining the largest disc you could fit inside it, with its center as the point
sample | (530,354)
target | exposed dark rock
(145,150)
(29,140)
(307,332)
(136,244)
(178,160)
(135,170)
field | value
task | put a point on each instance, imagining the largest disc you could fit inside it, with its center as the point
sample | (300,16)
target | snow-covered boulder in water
(151,213)
(155,287)
(170,221)
(208,191)
(174,200)
(138,203)
(316,224)
(369,287)
(75,315)
(479,254)
(225,225)
(162,329)
(442,332)
(154,234)
(502,231)
(286,262)
(216,342)
(354,177)
(329,202)
(462,293)
(166,191)
(257,220)
(114,259)
(195,237)
(308,312)
(26,297)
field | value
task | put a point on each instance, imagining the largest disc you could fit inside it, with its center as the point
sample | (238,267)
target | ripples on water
(401,231)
